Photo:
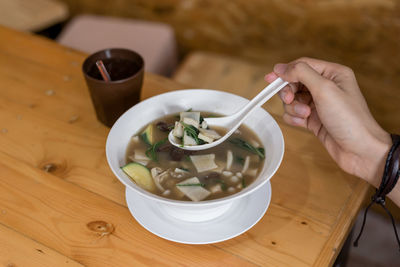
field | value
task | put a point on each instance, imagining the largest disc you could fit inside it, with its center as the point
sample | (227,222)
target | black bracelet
(389,180)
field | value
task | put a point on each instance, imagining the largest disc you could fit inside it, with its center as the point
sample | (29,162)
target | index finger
(327,69)
(286,93)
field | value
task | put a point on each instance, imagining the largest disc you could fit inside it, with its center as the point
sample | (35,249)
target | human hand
(325,98)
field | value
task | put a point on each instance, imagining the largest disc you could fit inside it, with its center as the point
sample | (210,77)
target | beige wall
(361,33)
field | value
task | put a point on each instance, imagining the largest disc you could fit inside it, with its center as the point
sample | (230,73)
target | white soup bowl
(133,120)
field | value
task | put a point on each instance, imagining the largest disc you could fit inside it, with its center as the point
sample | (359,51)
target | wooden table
(60,205)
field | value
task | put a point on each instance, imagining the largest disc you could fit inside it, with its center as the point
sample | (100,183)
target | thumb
(303,73)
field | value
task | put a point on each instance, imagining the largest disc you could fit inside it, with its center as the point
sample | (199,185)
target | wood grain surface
(57,193)
(19,250)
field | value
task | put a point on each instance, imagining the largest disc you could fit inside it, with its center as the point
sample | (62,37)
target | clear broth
(180,159)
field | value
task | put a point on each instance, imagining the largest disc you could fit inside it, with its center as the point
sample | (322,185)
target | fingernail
(301,110)
(280,68)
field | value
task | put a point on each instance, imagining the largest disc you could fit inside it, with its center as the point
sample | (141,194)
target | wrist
(376,159)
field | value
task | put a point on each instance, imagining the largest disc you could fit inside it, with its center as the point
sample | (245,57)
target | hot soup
(163,169)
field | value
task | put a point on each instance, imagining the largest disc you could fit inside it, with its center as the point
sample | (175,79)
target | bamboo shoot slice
(140,155)
(220,168)
(210,133)
(193,190)
(195,115)
(205,138)
(143,162)
(192,122)
(204,162)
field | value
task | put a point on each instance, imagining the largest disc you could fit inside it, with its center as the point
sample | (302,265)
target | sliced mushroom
(158,176)
(229,159)
(178,173)
(179,170)
(178,130)
(246,164)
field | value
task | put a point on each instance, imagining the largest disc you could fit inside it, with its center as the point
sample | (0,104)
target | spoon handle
(232,122)
(258,100)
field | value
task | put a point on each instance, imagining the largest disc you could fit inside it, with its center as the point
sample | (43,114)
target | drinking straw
(103,71)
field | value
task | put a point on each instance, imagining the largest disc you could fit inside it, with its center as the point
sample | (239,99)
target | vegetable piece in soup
(192,130)
(163,169)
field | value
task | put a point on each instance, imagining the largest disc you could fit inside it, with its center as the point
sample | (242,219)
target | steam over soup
(163,169)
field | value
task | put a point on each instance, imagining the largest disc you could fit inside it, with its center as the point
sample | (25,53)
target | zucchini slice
(140,175)
(147,135)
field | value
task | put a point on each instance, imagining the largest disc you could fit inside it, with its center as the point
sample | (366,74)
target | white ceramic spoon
(232,122)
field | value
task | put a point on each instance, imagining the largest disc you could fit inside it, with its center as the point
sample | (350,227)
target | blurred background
(229,44)
(363,34)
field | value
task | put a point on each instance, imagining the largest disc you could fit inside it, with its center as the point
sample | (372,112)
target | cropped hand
(325,98)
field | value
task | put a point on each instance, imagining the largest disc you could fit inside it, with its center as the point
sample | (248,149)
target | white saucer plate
(243,214)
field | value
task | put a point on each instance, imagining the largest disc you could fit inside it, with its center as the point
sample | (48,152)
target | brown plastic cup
(112,99)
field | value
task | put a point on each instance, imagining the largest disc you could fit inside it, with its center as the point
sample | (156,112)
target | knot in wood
(101,227)
(49,167)
(57,167)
